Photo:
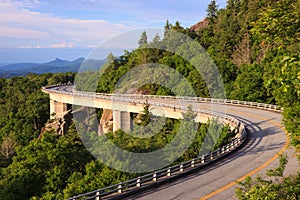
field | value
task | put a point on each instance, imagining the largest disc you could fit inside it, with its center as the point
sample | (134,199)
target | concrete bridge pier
(122,120)
(58,108)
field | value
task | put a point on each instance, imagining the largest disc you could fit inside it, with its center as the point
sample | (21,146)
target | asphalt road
(218,181)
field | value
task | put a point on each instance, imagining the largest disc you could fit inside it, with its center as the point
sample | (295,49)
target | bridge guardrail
(164,173)
(179,168)
(197,99)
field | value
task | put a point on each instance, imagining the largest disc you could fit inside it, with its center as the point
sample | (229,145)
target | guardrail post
(236,142)
(232,145)
(138,182)
(211,156)
(120,189)
(202,160)
(97,194)
(223,150)
(154,177)
(169,172)
(193,163)
(181,168)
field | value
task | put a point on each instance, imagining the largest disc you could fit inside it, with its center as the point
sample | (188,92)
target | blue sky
(82,24)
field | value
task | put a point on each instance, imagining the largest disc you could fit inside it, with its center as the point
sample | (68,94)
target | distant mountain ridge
(55,66)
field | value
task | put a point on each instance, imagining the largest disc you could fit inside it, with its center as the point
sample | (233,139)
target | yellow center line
(257,169)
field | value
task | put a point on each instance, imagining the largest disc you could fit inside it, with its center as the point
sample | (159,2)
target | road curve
(266,139)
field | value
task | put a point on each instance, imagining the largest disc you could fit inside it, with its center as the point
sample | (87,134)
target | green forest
(255,45)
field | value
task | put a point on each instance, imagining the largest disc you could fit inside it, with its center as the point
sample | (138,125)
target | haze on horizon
(40,31)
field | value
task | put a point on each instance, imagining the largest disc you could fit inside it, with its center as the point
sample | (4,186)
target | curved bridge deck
(267,138)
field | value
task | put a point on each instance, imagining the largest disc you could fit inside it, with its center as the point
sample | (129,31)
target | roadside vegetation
(255,45)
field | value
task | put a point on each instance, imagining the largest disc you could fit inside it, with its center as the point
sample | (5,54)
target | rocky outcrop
(60,124)
(87,117)
(106,122)
(200,25)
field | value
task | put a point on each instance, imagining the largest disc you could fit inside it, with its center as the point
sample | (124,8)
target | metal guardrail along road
(139,182)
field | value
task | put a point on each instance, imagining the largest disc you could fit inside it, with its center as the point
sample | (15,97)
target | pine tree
(212,10)
(243,52)
(177,26)
(143,40)
(145,117)
(156,39)
(167,26)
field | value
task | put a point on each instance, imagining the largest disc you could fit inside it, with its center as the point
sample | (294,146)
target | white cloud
(30,47)
(10,31)
(54,46)
(22,25)
(38,29)
(92,46)
(62,45)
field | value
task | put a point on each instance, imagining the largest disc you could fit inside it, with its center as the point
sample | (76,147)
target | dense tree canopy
(255,45)
(50,166)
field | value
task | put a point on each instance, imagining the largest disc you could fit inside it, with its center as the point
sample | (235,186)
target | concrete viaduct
(266,138)
(122,105)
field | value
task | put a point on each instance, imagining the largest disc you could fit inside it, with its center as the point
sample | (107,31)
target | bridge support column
(58,108)
(122,120)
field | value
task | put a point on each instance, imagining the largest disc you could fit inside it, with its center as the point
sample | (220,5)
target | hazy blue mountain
(17,66)
(3,64)
(64,63)
(55,66)
(4,74)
